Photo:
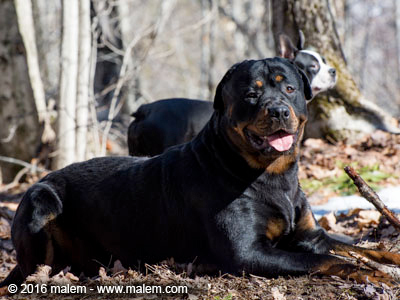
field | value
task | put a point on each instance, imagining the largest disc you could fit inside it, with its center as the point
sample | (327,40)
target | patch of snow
(390,196)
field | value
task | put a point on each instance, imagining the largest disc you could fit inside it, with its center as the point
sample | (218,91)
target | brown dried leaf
(328,222)
(315,144)
(368,217)
(321,172)
(61,279)
(71,277)
(41,275)
(4,291)
(5,228)
(103,275)
(277,294)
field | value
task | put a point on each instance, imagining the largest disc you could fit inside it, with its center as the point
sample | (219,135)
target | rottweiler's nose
(280,112)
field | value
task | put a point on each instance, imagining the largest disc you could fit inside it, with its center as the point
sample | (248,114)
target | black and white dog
(322,76)
(165,123)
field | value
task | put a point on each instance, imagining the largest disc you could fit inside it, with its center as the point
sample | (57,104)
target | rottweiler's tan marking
(275,228)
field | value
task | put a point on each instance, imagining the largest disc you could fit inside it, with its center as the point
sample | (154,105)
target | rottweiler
(168,122)
(230,197)
(165,123)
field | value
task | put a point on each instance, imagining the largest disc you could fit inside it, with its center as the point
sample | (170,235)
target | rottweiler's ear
(218,101)
(286,47)
(307,87)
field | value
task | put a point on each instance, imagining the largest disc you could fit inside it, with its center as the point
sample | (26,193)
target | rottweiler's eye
(251,95)
(290,89)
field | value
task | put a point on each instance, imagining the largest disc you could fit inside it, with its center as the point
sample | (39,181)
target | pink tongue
(281,141)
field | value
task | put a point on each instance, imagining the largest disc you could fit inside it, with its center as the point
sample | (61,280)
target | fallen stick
(394,272)
(368,193)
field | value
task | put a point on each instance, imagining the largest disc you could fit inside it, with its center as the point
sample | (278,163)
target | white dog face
(321,75)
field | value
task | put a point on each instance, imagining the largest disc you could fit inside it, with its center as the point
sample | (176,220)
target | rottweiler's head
(262,104)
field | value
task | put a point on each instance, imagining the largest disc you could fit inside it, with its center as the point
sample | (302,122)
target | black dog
(165,123)
(230,197)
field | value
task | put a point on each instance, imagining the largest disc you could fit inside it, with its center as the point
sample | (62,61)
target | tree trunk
(20,130)
(27,29)
(84,69)
(241,45)
(207,59)
(132,89)
(47,17)
(69,72)
(344,113)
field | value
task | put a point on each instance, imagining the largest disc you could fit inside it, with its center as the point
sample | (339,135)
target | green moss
(342,184)
(227,297)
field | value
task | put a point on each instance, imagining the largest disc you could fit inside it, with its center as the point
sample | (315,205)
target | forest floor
(376,158)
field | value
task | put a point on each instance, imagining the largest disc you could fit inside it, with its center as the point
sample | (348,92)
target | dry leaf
(71,277)
(277,294)
(103,274)
(4,291)
(5,228)
(368,217)
(41,275)
(328,222)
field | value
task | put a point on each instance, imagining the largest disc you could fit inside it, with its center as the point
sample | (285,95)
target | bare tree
(345,113)
(20,131)
(84,70)
(68,84)
(209,12)
(27,30)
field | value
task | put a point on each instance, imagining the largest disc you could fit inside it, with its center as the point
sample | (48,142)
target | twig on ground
(394,272)
(368,193)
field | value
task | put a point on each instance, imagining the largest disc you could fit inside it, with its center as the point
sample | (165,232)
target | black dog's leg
(264,245)
(258,248)
(309,236)
(261,259)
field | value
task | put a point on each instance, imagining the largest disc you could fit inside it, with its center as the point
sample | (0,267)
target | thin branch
(121,80)
(92,97)
(31,167)
(10,136)
(244,30)
(368,193)
(394,272)
(15,182)
(191,28)
(152,32)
